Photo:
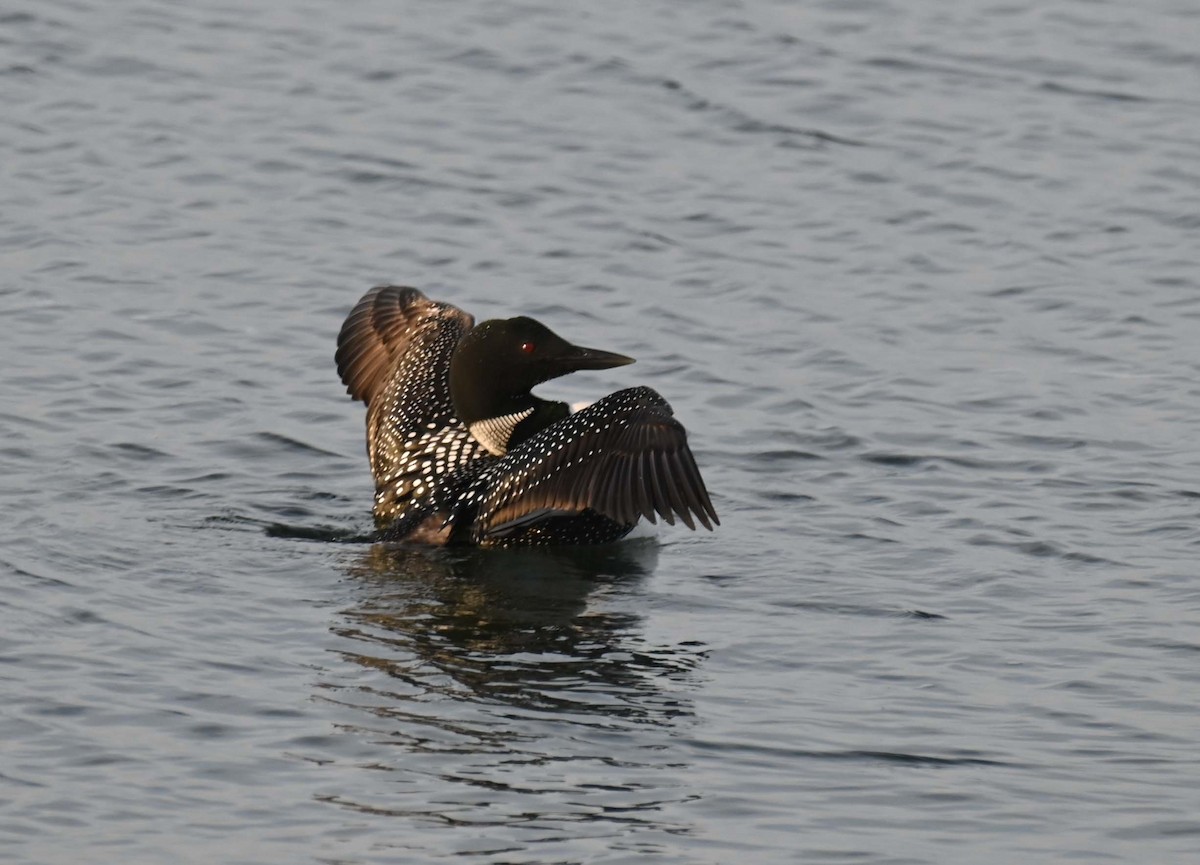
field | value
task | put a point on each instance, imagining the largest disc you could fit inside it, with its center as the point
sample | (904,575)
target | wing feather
(625,457)
(660,501)
(394,353)
(380,329)
(678,501)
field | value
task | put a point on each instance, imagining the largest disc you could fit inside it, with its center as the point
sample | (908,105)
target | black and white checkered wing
(624,457)
(394,354)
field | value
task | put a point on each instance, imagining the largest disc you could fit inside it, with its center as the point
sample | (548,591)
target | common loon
(462,452)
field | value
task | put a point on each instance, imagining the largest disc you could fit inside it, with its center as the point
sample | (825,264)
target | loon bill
(463,452)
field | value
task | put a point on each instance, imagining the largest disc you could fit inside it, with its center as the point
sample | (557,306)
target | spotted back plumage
(394,354)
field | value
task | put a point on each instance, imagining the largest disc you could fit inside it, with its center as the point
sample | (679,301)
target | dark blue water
(920,279)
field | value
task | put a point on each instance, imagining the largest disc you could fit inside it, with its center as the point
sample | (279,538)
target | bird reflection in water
(500,675)
(515,625)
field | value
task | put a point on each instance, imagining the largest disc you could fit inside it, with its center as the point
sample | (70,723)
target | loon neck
(518,420)
(496,365)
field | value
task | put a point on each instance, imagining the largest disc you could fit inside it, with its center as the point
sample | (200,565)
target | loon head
(497,364)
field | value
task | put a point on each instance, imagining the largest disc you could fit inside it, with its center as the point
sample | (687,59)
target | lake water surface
(921,279)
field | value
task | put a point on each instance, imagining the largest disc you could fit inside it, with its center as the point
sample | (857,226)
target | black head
(497,364)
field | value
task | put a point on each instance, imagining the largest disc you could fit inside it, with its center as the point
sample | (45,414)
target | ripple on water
(921,287)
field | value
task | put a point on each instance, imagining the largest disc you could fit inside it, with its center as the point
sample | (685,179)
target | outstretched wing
(387,323)
(624,457)
(394,354)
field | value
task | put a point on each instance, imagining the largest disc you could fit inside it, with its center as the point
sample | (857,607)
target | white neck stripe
(494,432)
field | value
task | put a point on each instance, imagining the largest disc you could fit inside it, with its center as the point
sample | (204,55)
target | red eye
(528,347)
